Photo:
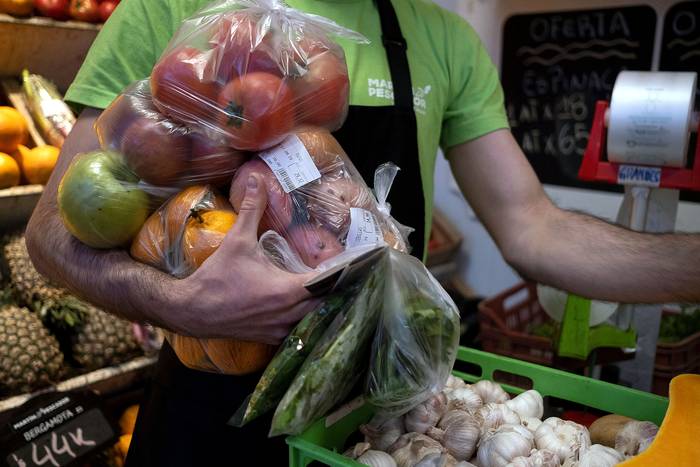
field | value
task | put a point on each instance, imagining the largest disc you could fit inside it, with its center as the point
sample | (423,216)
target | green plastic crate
(325,444)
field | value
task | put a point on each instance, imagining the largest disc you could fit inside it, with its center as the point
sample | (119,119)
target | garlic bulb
(357,450)
(635,437)
(439,460)
(531,423)
(464,399)
(494,415)
(454,383)
(500,446)
(449,416)
(376,459)
(563,437)
(459,436)
(381,433)
(426,415)
(490,391)
(537,458)
(527,404)
(410,448)
(596,456)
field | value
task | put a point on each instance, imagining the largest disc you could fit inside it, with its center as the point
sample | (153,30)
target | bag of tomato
(318,202)
(253,71)
(159,150)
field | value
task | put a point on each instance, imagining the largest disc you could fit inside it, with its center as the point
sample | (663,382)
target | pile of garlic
(480,425)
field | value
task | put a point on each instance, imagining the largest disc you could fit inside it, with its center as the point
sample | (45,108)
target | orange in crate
(9,171)
(13,129)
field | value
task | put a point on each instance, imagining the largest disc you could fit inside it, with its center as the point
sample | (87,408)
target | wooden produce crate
(54,49)
(17,203)
(106,382)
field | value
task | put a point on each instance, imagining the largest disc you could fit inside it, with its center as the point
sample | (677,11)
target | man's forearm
(107,278)
(596,259)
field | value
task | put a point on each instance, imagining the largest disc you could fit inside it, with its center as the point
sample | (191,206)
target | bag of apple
(253,71)
(161,151)
(318,202)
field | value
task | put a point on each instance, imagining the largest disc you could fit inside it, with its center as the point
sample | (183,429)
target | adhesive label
(638,175)
(291,164)
(364,229)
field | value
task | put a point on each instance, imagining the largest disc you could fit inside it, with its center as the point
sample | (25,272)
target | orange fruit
(13,129)
(204,233)
(9,171)
(127,421)
(17,7)
(38,163)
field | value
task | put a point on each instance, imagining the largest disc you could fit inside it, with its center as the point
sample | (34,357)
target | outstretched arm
(572,251)
(235,293)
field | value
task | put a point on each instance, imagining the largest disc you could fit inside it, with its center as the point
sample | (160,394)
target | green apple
(100,201)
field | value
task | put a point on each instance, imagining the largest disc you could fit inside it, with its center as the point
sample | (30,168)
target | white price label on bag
(364,229)
(291,164)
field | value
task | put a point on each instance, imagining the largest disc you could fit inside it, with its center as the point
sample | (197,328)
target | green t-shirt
(457,93)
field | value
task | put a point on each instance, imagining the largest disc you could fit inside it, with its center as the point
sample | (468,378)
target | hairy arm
(572,251)
(245,298)
(100,276)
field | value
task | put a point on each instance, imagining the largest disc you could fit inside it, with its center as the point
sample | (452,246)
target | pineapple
(31,286)
(29,356)
(103,340)
(92,337)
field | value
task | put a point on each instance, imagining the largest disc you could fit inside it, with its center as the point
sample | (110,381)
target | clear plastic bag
(253,71)
(401,332)
(159,150)
(415,345)
(318,201)
(336,364)
(177,239)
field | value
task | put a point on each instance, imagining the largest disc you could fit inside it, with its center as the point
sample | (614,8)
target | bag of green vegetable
(416,340)
(291,355)
(337,362)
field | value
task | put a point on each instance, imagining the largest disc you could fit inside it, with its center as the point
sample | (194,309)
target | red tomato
(256,111)
(56,9)
(106,8)
(183,86)
(321,95)
(240,50)
(84,10)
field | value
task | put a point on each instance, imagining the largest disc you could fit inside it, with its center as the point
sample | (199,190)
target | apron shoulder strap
(395,46)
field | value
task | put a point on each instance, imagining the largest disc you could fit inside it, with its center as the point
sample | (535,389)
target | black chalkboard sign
(680,51)
(555,66)
(57,429)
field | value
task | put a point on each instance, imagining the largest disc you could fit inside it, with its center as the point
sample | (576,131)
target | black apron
(183,418)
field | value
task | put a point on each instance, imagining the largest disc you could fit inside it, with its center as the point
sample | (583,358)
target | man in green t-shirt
(457,103)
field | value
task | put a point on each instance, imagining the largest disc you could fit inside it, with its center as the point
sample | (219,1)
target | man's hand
(236,292)
(568,250)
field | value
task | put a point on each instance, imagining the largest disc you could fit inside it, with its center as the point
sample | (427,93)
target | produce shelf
(325,440)
(54,49)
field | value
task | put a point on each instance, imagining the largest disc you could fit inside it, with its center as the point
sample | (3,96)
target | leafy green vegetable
(676,327)
(335,365)
(291,355)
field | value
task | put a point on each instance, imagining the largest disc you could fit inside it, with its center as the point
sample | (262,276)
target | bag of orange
(177,239)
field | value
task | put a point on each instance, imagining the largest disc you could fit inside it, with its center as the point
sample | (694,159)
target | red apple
(213,162)
(157,152)
(329,200)
(56,9)
(314,244)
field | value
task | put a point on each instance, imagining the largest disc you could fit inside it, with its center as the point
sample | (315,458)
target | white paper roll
(650,118)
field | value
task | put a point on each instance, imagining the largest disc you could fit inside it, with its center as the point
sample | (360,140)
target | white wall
(481,265)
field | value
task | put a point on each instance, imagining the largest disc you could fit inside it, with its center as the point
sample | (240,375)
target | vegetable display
(490,434)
